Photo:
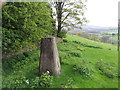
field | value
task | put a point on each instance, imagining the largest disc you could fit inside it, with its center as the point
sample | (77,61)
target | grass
(85,64)
(115,38)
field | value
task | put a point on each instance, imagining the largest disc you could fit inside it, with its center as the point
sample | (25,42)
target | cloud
(102,12)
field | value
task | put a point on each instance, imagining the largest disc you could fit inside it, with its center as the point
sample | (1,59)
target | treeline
(103,38)
(24,24)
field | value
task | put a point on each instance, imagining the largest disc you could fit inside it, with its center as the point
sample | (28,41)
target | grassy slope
(72,52)
(115,38)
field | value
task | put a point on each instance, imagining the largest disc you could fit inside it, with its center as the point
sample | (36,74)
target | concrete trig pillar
(49,59)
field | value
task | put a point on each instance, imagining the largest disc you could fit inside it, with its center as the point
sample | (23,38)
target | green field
(115,38)
(110,31)
(84,63)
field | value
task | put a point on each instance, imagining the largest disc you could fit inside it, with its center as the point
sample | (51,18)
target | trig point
(49,59)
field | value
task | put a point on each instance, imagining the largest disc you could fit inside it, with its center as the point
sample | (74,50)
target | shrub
(107,69)
(78,33)
(63,56)
(62,34)
(75,54)
(83,68)
(15,82)
(82,34)
(65,40)
(44,81)
(24,24)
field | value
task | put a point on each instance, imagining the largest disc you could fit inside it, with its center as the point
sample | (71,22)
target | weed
(65,40)
(83,68)
(81,49)
(15,82)
(107,69)
(44,81)
(76,54)
(68,84)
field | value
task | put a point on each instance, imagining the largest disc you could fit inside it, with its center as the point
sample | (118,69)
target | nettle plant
(44,81)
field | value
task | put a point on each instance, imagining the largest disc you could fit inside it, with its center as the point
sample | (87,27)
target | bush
(15,82)
(24,24)
(65,40)
(62,34)
(83,68)
(107,69)
(44,81)
(11,41)
(63,56)
(74,54)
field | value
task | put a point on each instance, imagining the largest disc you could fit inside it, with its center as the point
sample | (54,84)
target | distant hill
(90,28)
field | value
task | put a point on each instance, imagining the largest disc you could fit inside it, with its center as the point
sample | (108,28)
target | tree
(69,14)
(106,39)
(24,24)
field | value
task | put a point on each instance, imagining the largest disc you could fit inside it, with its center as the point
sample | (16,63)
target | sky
(102,12)
(119,14)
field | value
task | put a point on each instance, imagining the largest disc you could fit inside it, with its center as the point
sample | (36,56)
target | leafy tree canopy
(69,14)
(24,24)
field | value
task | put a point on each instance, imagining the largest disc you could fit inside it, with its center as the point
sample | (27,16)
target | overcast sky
(102,12)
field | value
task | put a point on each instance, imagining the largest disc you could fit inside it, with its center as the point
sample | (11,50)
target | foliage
(105,39)
(24,24)
(44,81)
(83,68)
(83,34)
(11,41)
(23,71)
(94,37)
(107,69)
(15,82)
(65,40)
(88,36)
(68,84)
(74,54)
(62,34)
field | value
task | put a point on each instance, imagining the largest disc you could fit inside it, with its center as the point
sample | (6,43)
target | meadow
(84,64)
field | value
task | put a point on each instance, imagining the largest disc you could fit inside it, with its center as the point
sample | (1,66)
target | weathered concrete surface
(49,59)
(59,40)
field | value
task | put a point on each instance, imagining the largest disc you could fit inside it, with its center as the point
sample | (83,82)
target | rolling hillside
(85,64)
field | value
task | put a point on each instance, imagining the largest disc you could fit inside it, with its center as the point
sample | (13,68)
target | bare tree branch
(66,17)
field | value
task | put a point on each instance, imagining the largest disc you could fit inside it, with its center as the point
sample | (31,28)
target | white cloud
(102,12)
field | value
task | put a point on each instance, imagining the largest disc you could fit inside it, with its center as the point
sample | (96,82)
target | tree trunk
(49,60)
(59,17)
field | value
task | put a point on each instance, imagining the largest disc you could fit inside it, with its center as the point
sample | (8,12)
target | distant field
(111,31)
(115,38)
